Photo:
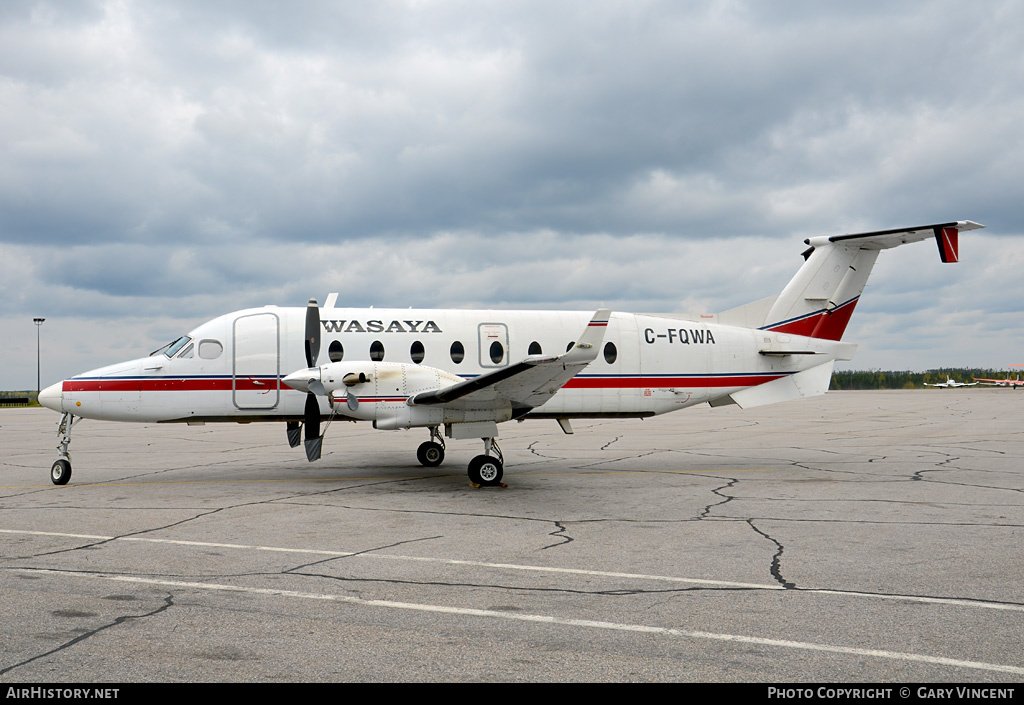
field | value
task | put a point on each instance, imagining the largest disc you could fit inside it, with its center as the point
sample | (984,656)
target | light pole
(39,324)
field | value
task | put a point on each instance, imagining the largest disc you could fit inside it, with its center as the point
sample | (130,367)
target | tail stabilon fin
(820,299)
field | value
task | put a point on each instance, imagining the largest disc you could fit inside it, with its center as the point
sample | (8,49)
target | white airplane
(950,382)
(467,371)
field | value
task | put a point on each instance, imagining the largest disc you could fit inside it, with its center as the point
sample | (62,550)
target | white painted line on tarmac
(539,569)
(545,619)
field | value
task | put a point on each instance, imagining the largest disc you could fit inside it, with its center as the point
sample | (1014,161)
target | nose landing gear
(60,472)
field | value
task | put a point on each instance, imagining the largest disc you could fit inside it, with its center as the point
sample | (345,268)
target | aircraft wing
(529,383)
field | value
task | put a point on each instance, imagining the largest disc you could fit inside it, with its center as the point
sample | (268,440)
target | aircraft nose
(51,397)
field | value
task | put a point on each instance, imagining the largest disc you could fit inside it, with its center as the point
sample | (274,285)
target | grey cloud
(193,156)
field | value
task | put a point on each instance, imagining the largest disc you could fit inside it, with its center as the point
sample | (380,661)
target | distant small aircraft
(950,382)
(1010,383)
(467,371)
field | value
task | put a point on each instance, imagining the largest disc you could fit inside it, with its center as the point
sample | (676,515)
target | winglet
(587,347)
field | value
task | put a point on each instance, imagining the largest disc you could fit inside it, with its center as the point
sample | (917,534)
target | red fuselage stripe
(169,384)
(269,384)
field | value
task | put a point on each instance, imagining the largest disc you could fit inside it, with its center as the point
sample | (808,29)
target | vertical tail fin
(820,299)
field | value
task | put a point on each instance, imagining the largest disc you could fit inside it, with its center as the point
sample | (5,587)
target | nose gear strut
(60,472)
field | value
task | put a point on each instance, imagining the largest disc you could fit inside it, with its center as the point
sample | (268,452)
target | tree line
(897,379)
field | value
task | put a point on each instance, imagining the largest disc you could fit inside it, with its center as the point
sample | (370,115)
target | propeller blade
(353,403)
(312,333)
(313,448)
(317,387)
(312,422)
(294,433)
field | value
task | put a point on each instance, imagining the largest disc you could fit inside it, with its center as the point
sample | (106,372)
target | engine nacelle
(381,391)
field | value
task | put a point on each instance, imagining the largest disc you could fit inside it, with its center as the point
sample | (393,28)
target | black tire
(60,473)
(430,454)
(485,470)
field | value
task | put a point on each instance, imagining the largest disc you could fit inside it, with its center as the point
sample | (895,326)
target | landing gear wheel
(430,454)
(60,473)
(485,471)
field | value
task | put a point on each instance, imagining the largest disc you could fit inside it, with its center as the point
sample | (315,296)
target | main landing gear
(484,470)
(60,472)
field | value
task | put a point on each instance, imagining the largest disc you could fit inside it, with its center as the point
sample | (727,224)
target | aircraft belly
(600,401)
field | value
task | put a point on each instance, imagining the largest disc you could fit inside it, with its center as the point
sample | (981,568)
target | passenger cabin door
(256,371)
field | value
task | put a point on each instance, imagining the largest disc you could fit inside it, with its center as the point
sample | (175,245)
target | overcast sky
(163,163)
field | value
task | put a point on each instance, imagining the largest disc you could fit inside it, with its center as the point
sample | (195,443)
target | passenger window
(416,352)
(535,349)
(497,352)
(376,351)
(210,349)
(336,351)
(458,352)
(610,353)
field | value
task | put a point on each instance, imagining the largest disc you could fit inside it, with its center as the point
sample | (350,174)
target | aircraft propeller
(310,380)
(314,441)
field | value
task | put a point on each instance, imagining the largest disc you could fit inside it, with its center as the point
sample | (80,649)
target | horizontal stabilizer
(809,383)
(885,239)
(780,345)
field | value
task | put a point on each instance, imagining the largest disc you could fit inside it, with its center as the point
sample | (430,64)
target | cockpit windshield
(171,348)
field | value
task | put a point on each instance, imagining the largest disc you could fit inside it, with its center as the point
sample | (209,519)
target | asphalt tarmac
(856,537)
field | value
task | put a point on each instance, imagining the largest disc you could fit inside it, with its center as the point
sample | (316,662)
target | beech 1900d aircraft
(467,371)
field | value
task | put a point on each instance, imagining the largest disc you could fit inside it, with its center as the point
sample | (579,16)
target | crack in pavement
(616,592)
(560,532)
(355,553)
(776,567)
(200,515)
(168,602)
(614,440)
(100,542)
(718,491)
